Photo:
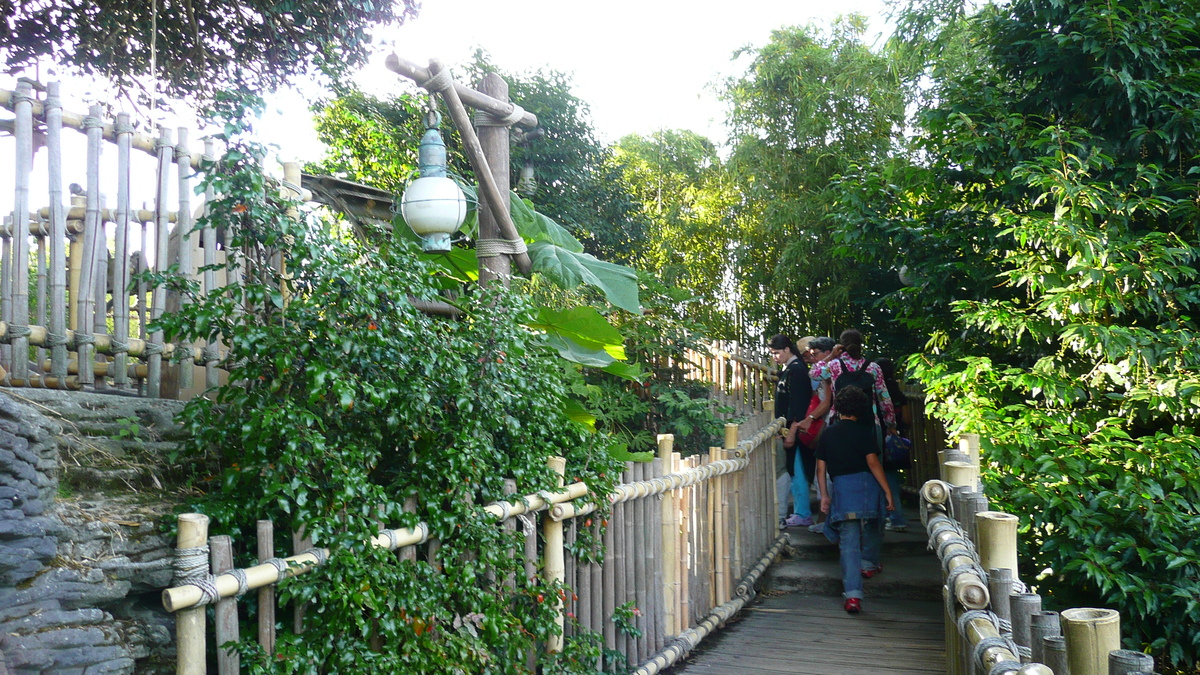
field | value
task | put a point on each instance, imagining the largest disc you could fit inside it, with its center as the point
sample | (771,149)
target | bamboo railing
(686,541)
(65,295)
(994,624)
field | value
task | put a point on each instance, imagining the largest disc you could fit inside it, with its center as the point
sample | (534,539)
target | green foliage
(1046,217)
(344,401)
(688,197)
(197,49)
(809,106)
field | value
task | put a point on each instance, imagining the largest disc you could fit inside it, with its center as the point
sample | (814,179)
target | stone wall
(85,489)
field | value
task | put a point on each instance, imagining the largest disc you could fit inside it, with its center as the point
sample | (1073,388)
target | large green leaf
(584,326)
(535,226)
(569,269)
(628,371)
(577,353)
(579,415)
(621,453)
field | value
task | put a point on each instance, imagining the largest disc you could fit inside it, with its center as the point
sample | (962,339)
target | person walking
(849,367)
(792,394)
(857,497)
(896,522)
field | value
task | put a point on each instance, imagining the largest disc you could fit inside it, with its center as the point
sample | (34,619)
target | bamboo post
(598,592)
(159,298)
(266,594)
(731,443)
(183,226)
(658,623)
(1091,634)
(608,585)
(968,444)
(189,623)
(6,288)
(629,554)
(996,537)
(1041,625)
(953,640)
(493,141)
(670,557)
(1023,607)
(1054,653)
(687,556)
(963,474)
(1000,583)
(640,579)
(720,550)
(300,543)
(583,588)
(19,248)
(93,237)
(210,275)
(225,616)
(1129,662)
(509,526)
(42,278)
(100,279)
(568,576)
(124,131)
(552,536)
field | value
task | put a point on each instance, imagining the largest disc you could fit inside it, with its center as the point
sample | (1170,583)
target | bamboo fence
(66,266)
(994,623)
(686,541)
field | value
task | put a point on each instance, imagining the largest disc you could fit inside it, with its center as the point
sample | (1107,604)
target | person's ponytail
(852,343)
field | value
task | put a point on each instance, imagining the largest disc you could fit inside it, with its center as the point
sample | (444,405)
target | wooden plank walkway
(804,634)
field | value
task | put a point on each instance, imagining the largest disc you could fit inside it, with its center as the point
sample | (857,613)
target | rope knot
(440,82)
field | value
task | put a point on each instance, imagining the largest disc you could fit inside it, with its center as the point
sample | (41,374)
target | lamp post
(433,205)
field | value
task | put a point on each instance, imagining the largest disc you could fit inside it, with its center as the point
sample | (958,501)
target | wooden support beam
(473,98)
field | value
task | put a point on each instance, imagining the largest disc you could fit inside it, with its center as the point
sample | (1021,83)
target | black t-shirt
(845,445)
(793,391)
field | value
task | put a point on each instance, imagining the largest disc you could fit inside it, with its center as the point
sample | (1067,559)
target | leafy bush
(343,402)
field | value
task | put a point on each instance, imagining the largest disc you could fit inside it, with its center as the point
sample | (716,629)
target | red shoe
(867,574)
(853,605)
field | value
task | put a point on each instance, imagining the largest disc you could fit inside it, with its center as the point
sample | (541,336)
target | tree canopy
(810,105)
(1046,216)
(198,47)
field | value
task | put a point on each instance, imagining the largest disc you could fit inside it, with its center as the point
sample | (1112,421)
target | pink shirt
(830,370)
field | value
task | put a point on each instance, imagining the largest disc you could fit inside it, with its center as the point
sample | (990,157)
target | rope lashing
(990,642)
(243,581)
(526,523)
(319,553)
(505,510)
(90,122)
(279,564)
(973,614)
(25,95)
(1004,667)
(484,118)
(16,333)
(440,82)
(492,248)
(961,570)
(55,340)
(288,185)
(151,349)
(119,347)
(391,537)
(191,568)
(123,128)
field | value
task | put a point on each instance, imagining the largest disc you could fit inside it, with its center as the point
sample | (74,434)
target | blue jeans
(859,543)
(800,501)
(896,516)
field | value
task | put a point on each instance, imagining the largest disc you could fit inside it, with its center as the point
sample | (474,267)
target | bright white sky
(641,65)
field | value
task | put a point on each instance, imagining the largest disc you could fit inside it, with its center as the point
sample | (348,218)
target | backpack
(856,378)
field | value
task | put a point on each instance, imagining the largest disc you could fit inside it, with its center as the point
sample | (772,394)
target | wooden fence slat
(225,617)
(158,299)
(19,264)
(266,594)
(124,132)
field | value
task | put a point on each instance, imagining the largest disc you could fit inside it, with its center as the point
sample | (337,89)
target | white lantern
(434,207)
